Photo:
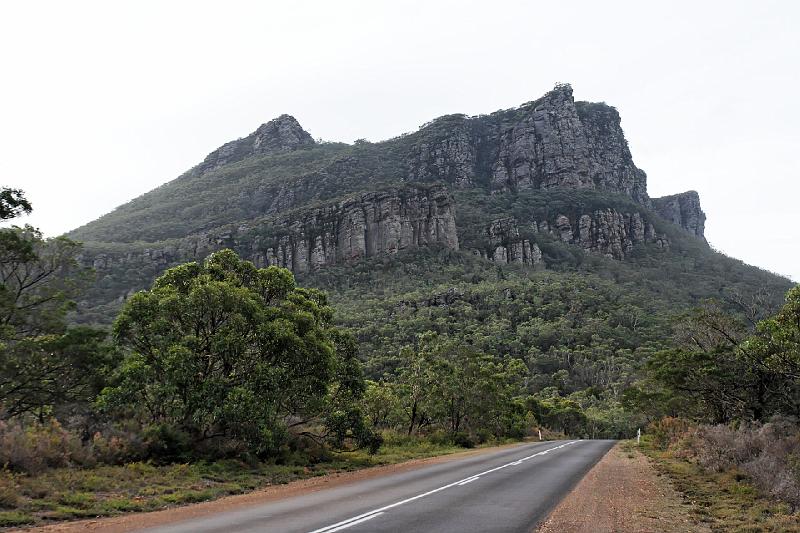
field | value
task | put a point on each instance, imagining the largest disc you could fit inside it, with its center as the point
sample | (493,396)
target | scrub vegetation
(220,377)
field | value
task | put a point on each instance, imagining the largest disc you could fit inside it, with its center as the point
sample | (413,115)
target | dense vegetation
(725,396)
(217,360)
(584,328)
(225,352)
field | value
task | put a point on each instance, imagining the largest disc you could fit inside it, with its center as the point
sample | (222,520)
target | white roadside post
(540,433)
(638,435)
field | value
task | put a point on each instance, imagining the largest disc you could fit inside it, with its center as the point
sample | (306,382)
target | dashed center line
(344,524)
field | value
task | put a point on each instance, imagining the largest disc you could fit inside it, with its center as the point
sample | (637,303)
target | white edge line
(338,526)
(349,524)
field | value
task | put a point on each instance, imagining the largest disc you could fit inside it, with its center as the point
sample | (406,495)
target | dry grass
(65,493)
(725,500)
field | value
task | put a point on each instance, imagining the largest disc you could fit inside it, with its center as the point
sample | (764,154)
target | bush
(393,438)
(167,444)
(768,454)
(34,448)
(40,446)
(484,435)
(667,431)
(114,447)
(9,495)
(463,440)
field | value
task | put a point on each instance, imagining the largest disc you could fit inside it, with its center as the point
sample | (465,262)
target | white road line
(349,524)
(338,526)
(470,480)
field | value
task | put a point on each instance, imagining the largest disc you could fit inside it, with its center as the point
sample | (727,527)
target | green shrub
(463,440)
(167,444)
(9,494)
(15,518)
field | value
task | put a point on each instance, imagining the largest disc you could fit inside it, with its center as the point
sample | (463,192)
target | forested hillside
(526,233)
(288,302)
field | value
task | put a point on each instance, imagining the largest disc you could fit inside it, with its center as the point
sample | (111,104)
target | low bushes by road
(67,481)
(740,477)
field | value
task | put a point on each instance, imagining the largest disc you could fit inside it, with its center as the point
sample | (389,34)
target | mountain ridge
(541,144)
(529,186)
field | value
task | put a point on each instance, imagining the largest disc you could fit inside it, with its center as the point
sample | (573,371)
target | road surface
(508,490)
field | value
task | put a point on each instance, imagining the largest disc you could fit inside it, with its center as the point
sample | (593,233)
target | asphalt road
(508,490)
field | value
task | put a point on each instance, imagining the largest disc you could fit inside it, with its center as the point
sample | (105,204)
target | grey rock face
(363,226)
(506,246)
(546,148)
(451,158)
(552,142)
(282,134)
(605,232)
(683,210)
(610,162)
(559,143)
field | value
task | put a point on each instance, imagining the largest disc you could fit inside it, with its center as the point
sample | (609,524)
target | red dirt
(623,494)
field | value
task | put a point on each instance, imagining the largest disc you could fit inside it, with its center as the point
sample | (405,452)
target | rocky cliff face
(305,211)
(363,226)
(451,157)
(282,134)
(683,210)
(507,246)
(546,148)
(610,162)
(552,142)
(605,232)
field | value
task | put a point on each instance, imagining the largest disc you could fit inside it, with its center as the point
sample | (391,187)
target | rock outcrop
(357,227)
(282,134)
(547,147)
(683,210)
(334,204)
(552,142)
(506,246)
(610,161)
(362,226)
(605,232)
(451,157)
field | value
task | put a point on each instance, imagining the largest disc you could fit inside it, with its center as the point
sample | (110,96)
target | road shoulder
(622,493)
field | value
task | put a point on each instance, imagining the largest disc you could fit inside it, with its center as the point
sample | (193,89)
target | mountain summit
(282,134)
(539,186)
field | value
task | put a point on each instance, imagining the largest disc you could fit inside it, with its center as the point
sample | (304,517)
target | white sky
(103,101)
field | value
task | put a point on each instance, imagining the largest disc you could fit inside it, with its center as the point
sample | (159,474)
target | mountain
(506,230)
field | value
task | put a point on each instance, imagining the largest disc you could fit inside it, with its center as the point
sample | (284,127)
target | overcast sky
(101,102)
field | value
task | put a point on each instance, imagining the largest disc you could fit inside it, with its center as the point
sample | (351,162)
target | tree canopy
(224,350)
